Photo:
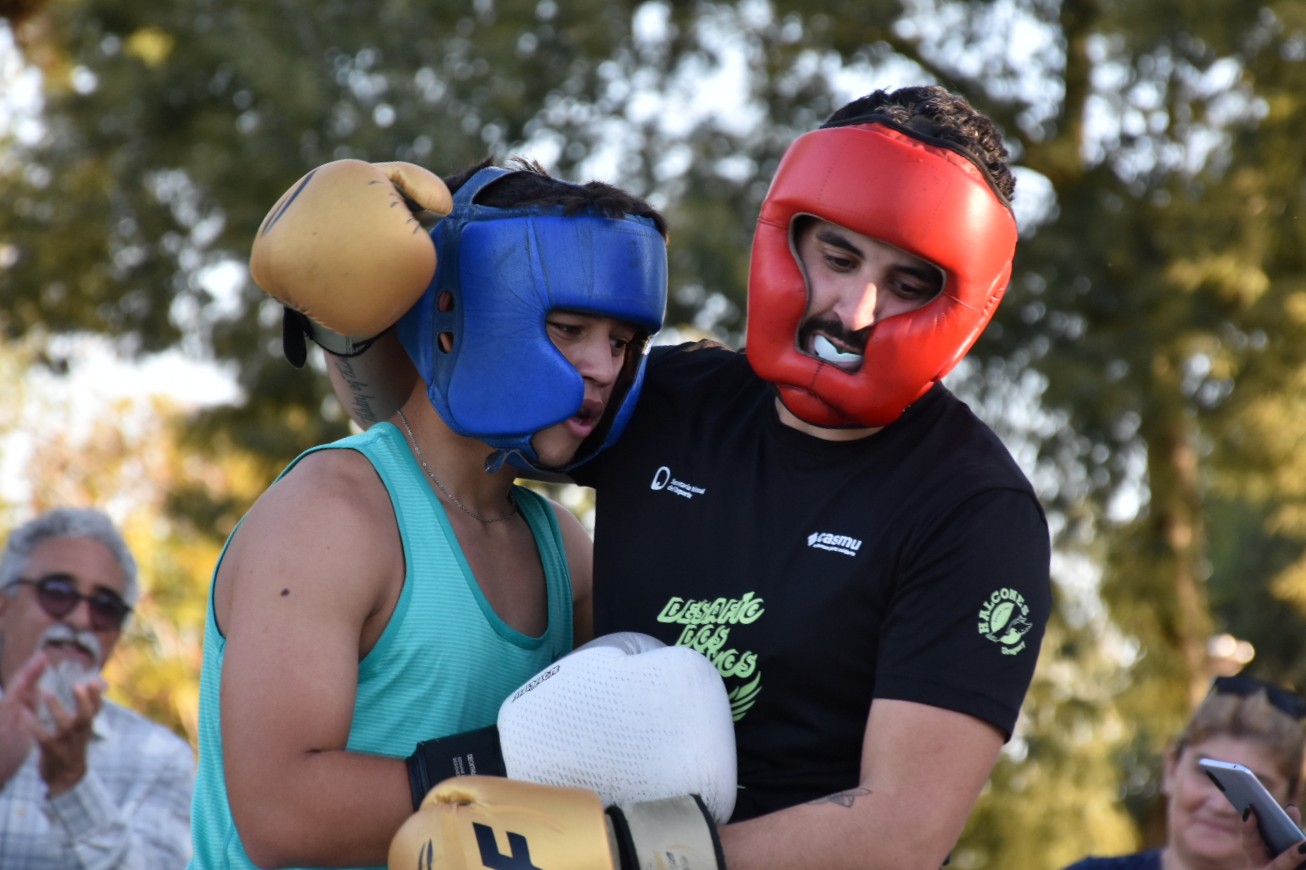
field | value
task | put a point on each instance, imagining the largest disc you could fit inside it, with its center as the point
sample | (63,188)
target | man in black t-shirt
(857,553)
(854,549)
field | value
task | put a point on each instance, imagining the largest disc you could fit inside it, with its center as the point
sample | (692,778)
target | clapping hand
(18,716)
(64,732)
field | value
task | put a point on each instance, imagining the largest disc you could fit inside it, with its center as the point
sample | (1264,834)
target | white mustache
(62,633)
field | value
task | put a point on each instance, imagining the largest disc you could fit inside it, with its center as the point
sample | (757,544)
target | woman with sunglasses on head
(84,782)
(1242,720)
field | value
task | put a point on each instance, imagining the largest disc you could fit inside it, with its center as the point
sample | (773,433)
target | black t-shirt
(818,575)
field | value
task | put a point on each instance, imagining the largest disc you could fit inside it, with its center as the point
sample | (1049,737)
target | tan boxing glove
(348,247)
(484,821)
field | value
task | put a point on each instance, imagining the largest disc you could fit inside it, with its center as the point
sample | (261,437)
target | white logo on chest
(834,543)
(662,480)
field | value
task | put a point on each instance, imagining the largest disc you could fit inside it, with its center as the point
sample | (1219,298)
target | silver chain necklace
(412,439)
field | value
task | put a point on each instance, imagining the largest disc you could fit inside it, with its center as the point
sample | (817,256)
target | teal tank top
(444,662)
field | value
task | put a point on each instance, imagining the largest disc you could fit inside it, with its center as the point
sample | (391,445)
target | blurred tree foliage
(1147,365)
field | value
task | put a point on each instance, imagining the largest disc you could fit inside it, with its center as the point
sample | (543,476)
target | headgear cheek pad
(500,271)
(922,198)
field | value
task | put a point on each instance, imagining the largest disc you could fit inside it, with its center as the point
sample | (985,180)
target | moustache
(61,633)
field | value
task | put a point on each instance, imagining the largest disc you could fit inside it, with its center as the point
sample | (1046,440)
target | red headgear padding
(925,199)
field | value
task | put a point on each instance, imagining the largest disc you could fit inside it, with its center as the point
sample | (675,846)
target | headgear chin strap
(500,272)
(917,196)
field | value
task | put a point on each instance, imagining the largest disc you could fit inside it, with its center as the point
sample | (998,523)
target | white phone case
(1244,790)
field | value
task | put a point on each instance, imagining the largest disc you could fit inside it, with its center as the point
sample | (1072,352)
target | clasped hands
(62,739)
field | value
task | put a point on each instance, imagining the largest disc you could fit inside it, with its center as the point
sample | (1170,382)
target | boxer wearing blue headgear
(479,335)
(386,591)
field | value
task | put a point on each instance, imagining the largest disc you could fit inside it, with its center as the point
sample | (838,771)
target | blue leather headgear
(505,269)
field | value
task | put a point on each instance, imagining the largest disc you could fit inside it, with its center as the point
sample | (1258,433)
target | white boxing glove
(629,718)
(624,716)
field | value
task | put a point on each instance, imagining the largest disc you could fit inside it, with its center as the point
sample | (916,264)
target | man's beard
(61,676)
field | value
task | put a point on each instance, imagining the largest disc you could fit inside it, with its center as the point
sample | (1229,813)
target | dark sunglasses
(58,596)
(1283,700)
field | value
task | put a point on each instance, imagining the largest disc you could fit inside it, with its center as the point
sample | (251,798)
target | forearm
(922,770)
(853,829)
(374,384)
(329,809)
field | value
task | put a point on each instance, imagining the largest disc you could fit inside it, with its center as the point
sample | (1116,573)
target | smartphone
(1244,790)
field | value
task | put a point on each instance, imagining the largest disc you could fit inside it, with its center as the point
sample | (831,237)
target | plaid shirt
(130,812)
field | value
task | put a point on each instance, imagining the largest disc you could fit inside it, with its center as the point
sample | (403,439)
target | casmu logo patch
(662,479)
(834,543)
(1004,619)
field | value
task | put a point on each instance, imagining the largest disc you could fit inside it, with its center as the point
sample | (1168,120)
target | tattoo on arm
(843,799)
(364,413)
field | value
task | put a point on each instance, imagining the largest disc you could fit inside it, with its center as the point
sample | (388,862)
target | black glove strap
(621,838)
(295,327)
(292,337)
(472,753)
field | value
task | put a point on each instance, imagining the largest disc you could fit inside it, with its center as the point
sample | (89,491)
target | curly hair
(531,184)
(935,113)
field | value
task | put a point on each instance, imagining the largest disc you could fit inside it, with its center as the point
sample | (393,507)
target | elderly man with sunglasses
(84,782)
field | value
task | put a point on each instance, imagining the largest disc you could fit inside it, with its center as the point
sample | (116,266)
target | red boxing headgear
(923,198)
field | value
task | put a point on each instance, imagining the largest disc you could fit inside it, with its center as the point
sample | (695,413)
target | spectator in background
(84,782)
(1242,720)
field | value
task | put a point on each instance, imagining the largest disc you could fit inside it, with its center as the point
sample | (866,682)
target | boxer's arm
(346,249)
(374,384)
(302,593)
(922,770)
